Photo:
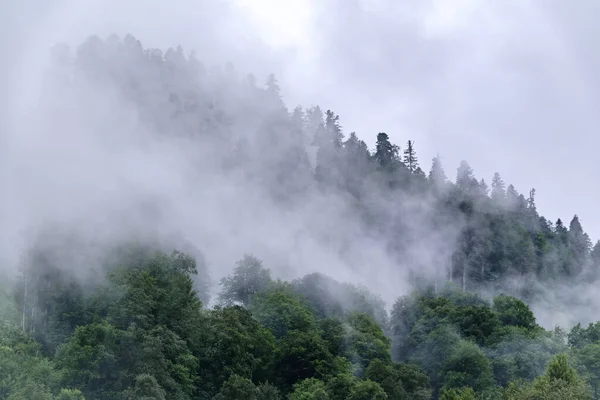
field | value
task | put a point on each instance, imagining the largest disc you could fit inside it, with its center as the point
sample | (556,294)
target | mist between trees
(380,280)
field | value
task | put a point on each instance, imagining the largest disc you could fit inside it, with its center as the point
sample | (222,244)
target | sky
(509,86)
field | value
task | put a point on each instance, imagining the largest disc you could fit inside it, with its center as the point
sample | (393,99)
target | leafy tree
(302,355)
(282,311)
(388,377)
(514,312)
(340,386)
(146,387)
(309,389)
(468,366)
(367,390)
(366,341)
(235,343)
(560,381)
(237,388)
(248,278)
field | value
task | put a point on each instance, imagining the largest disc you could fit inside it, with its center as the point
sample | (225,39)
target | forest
(146,320)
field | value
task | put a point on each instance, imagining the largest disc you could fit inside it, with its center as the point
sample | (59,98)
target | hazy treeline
(156,149)
(364,207)
(143,333)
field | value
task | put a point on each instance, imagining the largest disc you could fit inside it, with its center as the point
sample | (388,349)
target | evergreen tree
(465,178)
(386,153)
(498,193)
(410,157)
(437,175)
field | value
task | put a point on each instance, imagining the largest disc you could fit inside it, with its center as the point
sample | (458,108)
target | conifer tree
(386,153)
(437,175)
(410,156)
(498,193)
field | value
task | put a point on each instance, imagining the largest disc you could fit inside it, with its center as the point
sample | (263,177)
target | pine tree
(483,188)
(498,194)
(386,153)
(465,178)
(334,129)
(274,92)
(579,245)
(410,157)
(437,176)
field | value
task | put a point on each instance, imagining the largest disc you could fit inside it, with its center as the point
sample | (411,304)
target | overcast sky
(508,85)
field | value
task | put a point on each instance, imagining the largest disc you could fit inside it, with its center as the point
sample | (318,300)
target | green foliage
(31,391)
(302,355)
(266,391)
(237,388)
(281,310)
(329,298)
(514,312)
(309,389)
(367,390)
(146,387)
(248,278)
(340,386)
(579,337)
(23,371)
(588,360)
(234,343)
(388,377)
(72,394)
(458,394)
(467,366)
(366,341)
(560,381)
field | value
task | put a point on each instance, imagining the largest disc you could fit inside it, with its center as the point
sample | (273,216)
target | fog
(508,86)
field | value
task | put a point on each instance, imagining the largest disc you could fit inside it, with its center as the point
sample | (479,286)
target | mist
(459,80)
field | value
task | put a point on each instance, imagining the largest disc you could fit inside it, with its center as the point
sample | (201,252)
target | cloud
(509,86)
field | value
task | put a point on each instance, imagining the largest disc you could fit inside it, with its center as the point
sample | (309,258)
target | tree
(147,387)
(367,390)
(468,366)
(595,260)
(366,341)
(274,92)
(386,153)
(235,343)
(560,381)
(387,377)
(282,311)
(249,278)
(332,124)
(410,157)
(579,245)
(237,388)
(514,312)
(309,389)
(340,386)
(437,176)
(498,194)
(465,178)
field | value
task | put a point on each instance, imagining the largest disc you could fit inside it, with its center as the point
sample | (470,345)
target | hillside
(139,152)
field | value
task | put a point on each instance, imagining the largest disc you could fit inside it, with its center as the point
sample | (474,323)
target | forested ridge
(140,322)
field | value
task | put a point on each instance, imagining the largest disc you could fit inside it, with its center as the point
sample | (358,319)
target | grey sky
(507,85)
